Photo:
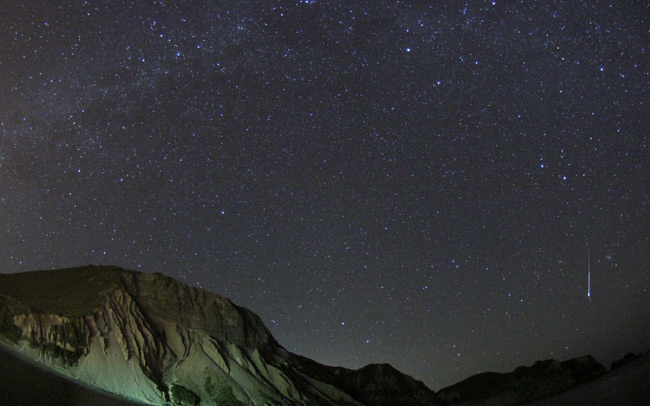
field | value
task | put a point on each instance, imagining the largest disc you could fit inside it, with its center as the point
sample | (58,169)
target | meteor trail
(588,272)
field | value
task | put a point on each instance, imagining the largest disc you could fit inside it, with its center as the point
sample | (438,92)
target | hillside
(151,338)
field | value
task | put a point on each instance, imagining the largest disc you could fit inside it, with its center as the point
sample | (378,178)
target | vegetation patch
(182,396)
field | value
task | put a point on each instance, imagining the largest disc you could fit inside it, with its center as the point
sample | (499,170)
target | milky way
(381,181)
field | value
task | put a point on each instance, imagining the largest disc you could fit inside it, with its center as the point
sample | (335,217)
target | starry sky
(411,182)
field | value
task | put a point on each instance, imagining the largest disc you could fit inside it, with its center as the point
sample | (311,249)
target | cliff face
(152,338)
(524,384)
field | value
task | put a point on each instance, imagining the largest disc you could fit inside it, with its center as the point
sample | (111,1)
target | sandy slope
(24,382)
(628,385)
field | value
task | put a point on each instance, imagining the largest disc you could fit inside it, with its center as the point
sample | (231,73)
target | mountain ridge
(145,336)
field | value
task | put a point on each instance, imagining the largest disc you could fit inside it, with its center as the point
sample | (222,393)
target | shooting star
(588,272)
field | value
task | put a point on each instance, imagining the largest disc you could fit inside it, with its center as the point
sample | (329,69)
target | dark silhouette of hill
(542,379)
(628,384)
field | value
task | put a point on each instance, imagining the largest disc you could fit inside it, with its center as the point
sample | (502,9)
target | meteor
(588,271)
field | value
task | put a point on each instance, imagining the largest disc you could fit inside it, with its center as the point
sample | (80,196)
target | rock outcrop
(524,384)
(151,338)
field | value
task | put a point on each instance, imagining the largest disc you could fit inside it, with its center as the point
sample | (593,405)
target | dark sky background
(411,182)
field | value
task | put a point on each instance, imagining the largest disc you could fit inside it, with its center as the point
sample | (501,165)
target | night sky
(411,182)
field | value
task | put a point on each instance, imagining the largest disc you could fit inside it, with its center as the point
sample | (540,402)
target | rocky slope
(154,339)
(24,382)
(524,384)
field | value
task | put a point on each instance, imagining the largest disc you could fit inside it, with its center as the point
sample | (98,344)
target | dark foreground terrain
(22,382)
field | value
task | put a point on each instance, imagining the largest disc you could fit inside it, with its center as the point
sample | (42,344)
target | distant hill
(628,385)
(151,338)
(524,384)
